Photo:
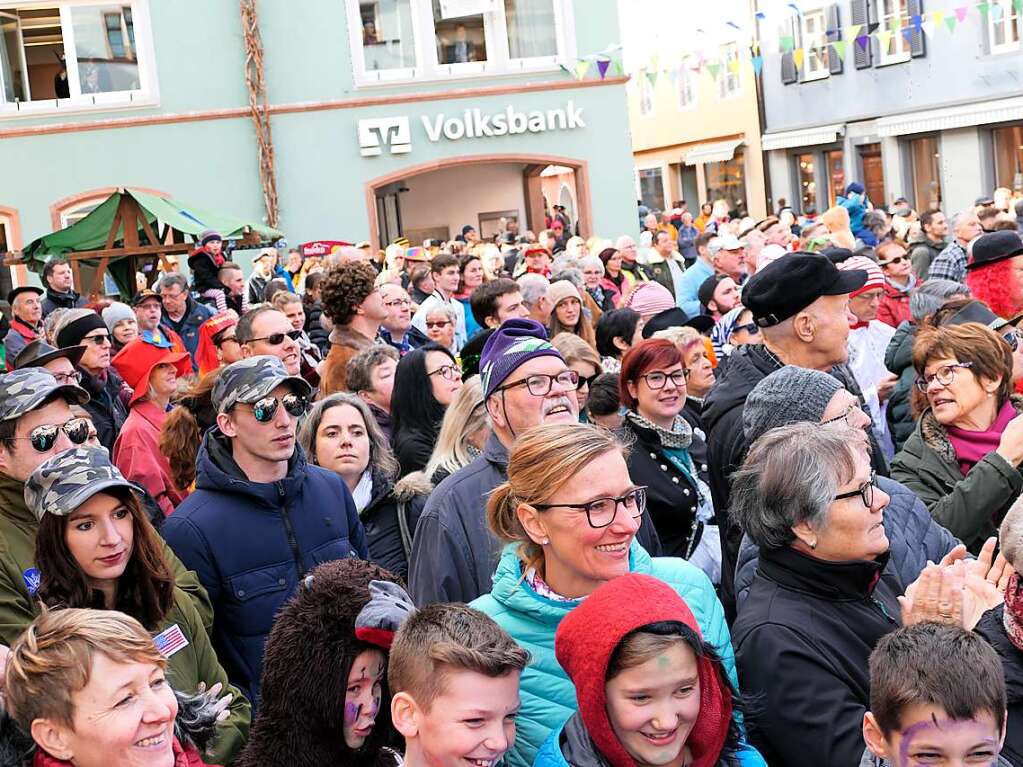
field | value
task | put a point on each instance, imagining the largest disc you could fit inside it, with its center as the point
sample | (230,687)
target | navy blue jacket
(251,544)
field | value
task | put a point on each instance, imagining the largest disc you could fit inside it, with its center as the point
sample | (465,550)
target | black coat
(671,500)
(105,407)
(802,641)
(390,541)
(993,630)
(317,334)
(413,448)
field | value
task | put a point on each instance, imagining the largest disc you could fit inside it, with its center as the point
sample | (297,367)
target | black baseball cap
(23,289)
(144,295)
(785,287)
(705,294)
(676,318)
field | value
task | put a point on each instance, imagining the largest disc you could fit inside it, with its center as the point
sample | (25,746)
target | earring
(545,541)
(813,544)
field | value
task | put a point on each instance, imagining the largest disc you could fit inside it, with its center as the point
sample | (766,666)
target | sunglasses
(750,327)
(265,409)
(587,382)
(42,438)
(891,261)
(438,324)
(97,340)
(276,339)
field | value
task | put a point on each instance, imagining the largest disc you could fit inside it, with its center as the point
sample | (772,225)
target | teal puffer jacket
(548,695)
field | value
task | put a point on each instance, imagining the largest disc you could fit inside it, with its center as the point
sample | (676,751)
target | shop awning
(822,134)
(712,151)
(963,116)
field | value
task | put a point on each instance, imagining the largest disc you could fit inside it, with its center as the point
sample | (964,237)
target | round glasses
(659,379)
(68,379)
(265,409)
(447,372)
(944,375)
(540,384)
(601,512)
(42,438)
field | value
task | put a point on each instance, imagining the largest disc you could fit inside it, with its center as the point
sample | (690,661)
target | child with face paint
(650,690)
(325,699)
(937,697)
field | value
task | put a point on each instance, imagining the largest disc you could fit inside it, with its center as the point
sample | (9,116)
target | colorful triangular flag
(787,43)
(916,20)
(883,38)
(939,16)
(713,68)
(996,12)
(651,75)
(839,47)
(983,8)
(928,27)
(852,31)
(1018,5)
(950,22)
(580,69)
(758,64)
(673,75)
(907,33)
(733,66)
(863,41)
(602,67)
(797,57)
(961,12)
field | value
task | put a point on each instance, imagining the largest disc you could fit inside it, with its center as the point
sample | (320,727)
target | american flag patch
(170,641)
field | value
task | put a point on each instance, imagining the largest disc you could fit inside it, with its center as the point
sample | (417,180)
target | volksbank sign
(395,133)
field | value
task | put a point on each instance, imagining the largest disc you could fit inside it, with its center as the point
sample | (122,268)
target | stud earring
(813,544)
(545,541)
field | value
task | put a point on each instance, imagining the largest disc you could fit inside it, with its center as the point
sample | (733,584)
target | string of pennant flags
(841,40)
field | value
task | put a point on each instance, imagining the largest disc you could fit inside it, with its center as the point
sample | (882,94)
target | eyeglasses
(658,379)
(844,417)
(1012,338)
(68,379)
(540,384)
(586,381)
(97,340)
(276,339)
(944,375)
(42,438)
(864,491)
(601,512)
(438,323)
(398,302)
(896,260)
(750,327)
(449,372)
(265,409)
(226,339)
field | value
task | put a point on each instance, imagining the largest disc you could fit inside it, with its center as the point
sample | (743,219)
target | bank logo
(392,132)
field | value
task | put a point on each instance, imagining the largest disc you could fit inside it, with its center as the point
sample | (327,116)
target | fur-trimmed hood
(305,672)
(412,485)
(936,437)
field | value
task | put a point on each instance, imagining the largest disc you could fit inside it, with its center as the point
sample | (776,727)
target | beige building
(695,137)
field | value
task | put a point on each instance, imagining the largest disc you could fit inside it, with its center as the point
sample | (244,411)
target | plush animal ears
(388,607)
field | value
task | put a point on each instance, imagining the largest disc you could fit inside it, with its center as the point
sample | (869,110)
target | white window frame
(729,83)
(1010,23)
(646,94)
(900,44)
(814,44)
(146,95)
(687,90)
(427,68)
(665,191)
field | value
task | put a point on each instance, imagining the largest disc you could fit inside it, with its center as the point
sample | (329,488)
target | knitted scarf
(1012,615)
(679,436)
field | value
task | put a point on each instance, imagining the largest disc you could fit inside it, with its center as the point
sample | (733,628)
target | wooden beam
(141,250)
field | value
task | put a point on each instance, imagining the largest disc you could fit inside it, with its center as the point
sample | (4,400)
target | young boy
(454,678)
(937,696)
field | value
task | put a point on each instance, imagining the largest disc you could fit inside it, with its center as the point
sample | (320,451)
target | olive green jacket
(971,507)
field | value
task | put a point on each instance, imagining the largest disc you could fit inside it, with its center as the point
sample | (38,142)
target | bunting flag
(713,67)
(651,75)
(602,67)
(787,43)
(852,32)
(983,8)
(797,58)
(673,74)
(883,38)
(938,16)
(733,66)
(758,64)
(961,12)
(950,22)
(839,47)
(996,13)
(916,21)
(580,69)
(863,41)
(907,33)
(1017,6)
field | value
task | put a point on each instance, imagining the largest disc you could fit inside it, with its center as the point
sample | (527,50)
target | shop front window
(727,181)
(1008,150)
(651,187)
(805,167)
(835,163)
(388,40)
(926,164)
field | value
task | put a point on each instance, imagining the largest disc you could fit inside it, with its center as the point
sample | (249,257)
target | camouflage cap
(22,391)
(65,481)
(251,379)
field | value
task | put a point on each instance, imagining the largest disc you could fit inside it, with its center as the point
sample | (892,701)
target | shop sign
(395,132)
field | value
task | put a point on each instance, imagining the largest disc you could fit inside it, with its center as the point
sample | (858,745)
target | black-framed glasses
(68,379)
(448,372)
(99,340)
(864,491)
(226,339)
(42,438)
(896,260)
(540,384)
(601,512)
(659,379)
(276,339)
(265,409)
(844,416)
(586,381)
(944,375)
(750,327)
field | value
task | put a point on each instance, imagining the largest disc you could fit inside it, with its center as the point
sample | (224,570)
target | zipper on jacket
(292,541)
(883,609)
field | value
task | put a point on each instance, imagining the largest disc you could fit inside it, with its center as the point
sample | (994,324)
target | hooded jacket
(922,252)
(584,644)
(317,334)
(309,655)
(548,695)
(54,300)
(898,358)
(992,628)
(107,405)
(802,641)
(971,507)
(252,543)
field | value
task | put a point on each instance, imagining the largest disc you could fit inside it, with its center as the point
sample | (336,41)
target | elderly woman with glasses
(964,455)
(822,595)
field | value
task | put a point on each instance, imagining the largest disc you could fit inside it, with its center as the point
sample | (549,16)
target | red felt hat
(135,363)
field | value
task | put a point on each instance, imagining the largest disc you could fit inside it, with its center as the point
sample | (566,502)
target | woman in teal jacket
(565,537)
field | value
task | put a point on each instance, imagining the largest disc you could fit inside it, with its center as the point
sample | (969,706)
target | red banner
(321,247)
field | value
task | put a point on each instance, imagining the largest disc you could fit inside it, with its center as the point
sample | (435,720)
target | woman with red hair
(995,273)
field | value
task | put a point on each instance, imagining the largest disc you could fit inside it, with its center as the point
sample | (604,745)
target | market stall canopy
(121,235)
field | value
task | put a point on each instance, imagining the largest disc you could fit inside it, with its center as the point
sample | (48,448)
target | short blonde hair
(682,337)
(52,659)
(574,349)
(464,416)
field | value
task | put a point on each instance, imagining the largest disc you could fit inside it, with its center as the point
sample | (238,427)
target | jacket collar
(495,452)
(936,438)
(12,503)
(24,328)
(836,581)
(216,470)
(345,336)
(152,413)
(67,300)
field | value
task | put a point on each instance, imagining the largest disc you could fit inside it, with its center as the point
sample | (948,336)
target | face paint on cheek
(352,712)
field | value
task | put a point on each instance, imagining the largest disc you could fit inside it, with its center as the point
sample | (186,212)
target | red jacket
(894,306)
(137,454)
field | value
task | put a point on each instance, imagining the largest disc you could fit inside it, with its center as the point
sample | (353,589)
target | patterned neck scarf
(679,436)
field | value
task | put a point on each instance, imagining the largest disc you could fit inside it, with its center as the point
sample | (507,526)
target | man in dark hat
(801,304)
(61,363)
(26,322)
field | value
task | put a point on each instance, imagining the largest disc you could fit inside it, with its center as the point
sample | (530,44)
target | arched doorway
(436,199)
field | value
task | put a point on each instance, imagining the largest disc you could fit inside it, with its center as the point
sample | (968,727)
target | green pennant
(1018,5)
(950,22)
(652,77)
(581,68)
(787,43)
(713,68)
(983,8)
(839,48)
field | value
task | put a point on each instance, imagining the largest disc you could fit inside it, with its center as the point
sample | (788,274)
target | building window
(74,55)
(805,168)
(651,187)
(1004,23)
(394,40)
(926,166)
(835,164)
(729,85)
(646,95)
(1008,150)
(727,181)
(686,88)
(814,38)
(893,16)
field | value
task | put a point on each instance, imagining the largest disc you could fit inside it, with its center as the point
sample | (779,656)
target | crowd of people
(725,492)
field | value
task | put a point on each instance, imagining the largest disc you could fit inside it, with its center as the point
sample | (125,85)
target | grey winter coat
(913,538)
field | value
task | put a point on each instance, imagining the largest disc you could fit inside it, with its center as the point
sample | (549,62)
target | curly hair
(344,289)
(998,287)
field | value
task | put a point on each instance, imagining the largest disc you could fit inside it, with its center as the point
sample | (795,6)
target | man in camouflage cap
(36,424)
(260,517)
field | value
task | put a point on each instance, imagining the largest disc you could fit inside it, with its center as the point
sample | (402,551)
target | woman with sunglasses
(670,455)
(899,280)
(963,458)
(568,516)
(109,394)
(425,383)
(95,549)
